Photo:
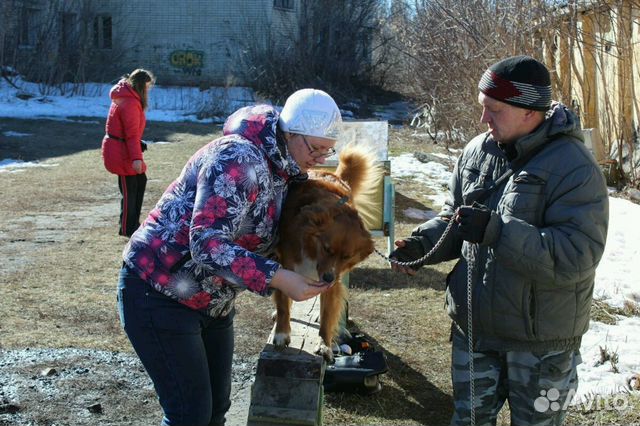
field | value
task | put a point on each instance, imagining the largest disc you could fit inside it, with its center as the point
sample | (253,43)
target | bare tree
(8,31)
(595,46)
(6,9)
(55,43)
(337,46)
(447,45)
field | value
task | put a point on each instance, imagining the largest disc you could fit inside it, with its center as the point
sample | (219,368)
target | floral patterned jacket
(209,235)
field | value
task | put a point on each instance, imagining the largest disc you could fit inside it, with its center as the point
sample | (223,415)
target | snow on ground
(166,103)
(9,165)
(433,175)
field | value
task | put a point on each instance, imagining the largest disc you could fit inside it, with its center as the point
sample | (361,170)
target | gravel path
(56,387)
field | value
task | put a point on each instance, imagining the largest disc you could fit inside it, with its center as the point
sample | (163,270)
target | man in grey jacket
(527,246)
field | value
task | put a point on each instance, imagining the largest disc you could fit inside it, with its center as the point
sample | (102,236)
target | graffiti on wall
(189,62)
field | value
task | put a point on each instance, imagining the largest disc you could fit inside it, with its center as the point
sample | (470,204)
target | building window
(69,33)
(29,26)
(102,32)
(283,4)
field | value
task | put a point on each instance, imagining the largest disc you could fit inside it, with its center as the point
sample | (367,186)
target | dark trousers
(187,354)
(538,385)
(132,190)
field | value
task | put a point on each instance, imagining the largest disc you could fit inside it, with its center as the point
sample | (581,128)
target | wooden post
(288,385)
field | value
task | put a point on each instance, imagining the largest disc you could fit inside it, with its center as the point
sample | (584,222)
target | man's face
(505,122)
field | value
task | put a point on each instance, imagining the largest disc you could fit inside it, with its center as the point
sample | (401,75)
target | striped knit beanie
(519,81)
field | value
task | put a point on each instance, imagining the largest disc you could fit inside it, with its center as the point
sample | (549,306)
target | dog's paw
(281,340)
(326,352)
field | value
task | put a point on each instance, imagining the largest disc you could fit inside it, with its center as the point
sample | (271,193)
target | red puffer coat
(126,122)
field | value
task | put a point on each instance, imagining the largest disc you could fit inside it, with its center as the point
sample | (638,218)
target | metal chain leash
(472,392)
(426,256)
(470,268)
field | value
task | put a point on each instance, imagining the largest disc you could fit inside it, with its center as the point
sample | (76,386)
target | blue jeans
(187,354)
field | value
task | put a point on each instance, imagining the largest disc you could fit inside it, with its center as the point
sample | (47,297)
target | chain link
(472,389)
(470,268)
(426,256)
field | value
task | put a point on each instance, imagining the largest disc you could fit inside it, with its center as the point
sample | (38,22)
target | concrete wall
(194,42)
(186,42)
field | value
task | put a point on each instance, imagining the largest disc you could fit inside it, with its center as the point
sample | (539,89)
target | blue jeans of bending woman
(187,354)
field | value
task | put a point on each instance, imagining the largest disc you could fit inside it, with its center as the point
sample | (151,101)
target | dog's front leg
(331,311)
(282,336)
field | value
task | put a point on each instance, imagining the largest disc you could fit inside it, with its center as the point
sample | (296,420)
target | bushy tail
(363,173)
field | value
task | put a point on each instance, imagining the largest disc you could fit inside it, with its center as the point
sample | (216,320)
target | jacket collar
(259,124)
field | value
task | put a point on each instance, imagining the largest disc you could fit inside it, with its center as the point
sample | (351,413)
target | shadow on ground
(385,279)
(403,203)
(41,139)
(413,398)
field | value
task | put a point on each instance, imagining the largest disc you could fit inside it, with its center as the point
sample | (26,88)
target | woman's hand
(138,166)
(296,286)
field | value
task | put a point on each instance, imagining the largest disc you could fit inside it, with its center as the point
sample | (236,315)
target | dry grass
(605,313)
(61,256)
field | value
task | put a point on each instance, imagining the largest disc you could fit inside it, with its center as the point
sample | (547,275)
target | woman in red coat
(122,145)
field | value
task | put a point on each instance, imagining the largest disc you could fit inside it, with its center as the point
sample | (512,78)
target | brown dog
(322,237)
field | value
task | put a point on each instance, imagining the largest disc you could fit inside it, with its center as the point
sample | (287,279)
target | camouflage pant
(536,385)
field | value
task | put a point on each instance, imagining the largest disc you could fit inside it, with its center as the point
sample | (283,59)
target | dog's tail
(363,173)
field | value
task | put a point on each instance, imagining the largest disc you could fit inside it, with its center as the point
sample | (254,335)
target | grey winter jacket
(533,273)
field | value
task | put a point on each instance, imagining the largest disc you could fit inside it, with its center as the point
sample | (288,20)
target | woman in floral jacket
(208,238)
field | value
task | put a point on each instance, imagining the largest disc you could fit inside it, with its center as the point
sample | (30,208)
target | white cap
(311,112)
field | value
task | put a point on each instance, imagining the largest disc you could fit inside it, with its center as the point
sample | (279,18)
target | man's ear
(534,117)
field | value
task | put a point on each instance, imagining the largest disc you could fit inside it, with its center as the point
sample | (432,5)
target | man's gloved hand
(472,222)
(409,249)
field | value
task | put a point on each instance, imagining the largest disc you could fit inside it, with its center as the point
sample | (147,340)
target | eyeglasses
(318,152)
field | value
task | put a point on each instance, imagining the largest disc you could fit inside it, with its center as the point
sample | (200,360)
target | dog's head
(334,240)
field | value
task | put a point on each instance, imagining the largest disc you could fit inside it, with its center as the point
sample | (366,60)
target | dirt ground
(64,359)
(61,347)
